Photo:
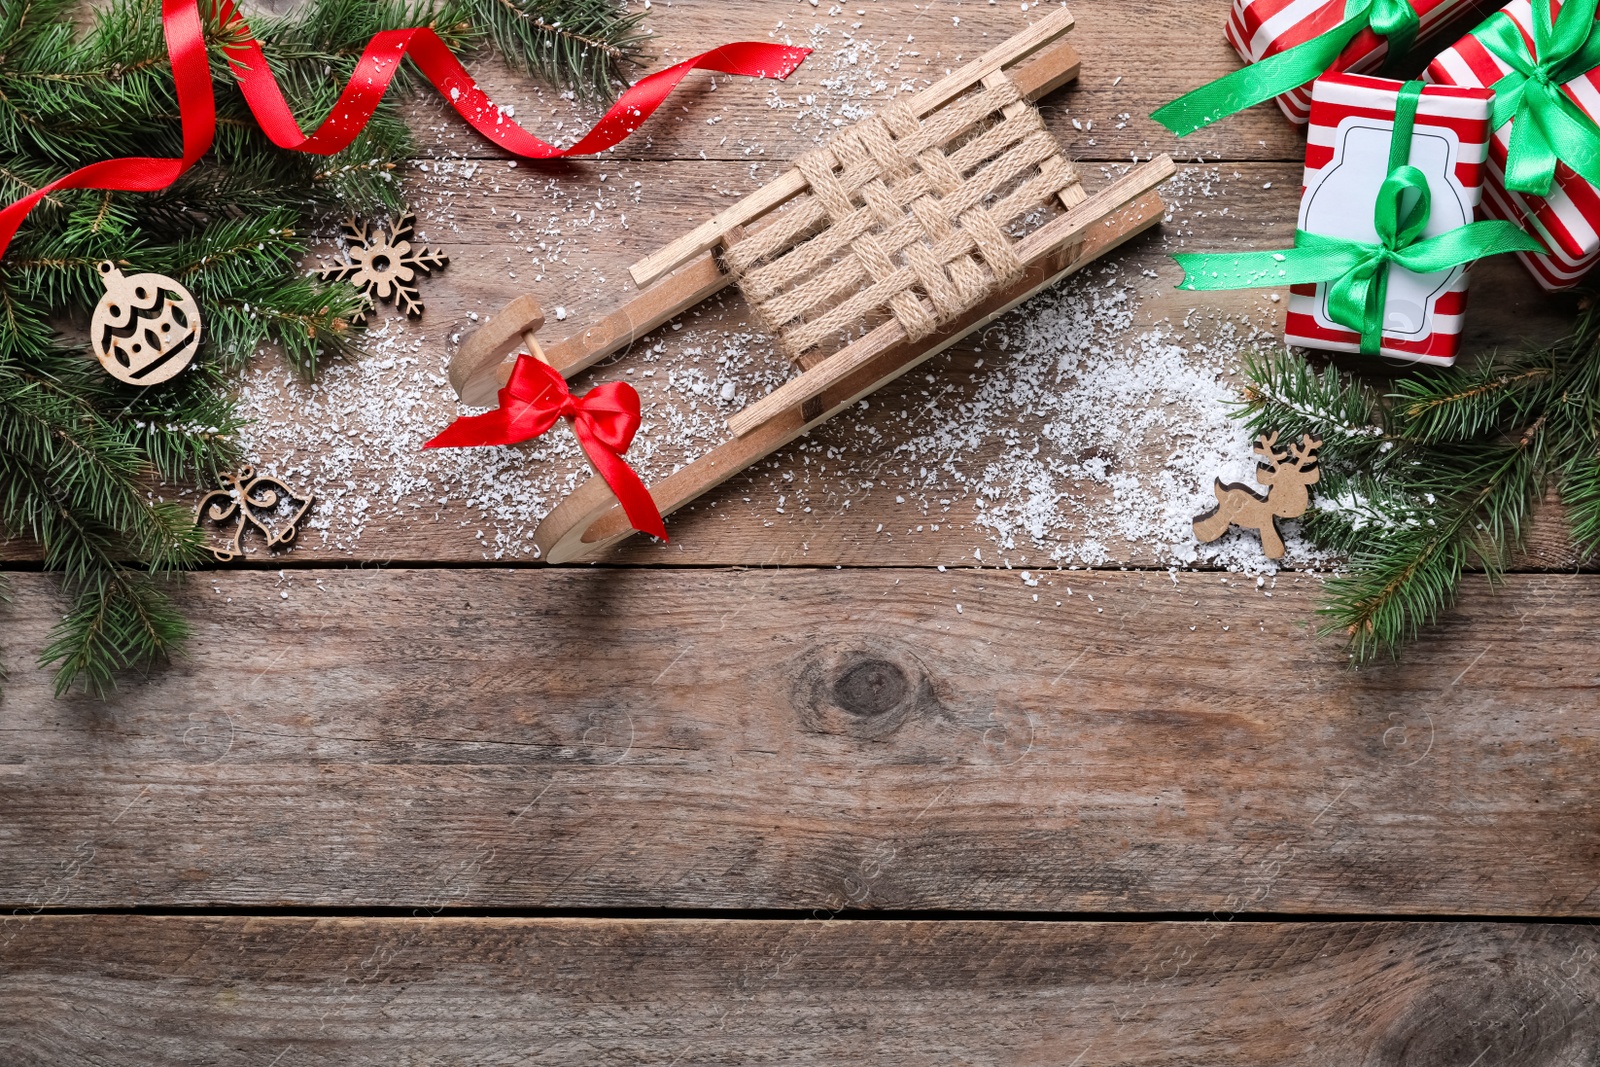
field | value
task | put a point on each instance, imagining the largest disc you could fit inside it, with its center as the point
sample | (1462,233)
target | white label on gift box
(1339,201)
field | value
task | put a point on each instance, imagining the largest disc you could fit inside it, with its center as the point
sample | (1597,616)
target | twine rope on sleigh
(899,215)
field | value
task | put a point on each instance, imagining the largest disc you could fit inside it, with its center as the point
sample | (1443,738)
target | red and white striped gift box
(1568,220)
(1347,160)
(1261,28)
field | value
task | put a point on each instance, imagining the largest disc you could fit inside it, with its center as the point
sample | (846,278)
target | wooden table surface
(828,779)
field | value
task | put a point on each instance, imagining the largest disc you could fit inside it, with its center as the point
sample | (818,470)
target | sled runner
(908,231)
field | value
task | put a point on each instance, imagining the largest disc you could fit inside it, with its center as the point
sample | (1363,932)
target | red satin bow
(605,420)
(186,45)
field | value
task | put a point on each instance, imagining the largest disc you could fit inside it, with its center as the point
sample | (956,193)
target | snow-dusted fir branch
(1440,475)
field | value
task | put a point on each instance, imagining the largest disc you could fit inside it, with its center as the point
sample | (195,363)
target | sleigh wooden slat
(479,367)
(875,252)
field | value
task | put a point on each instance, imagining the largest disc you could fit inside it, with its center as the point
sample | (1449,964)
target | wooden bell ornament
(146,328)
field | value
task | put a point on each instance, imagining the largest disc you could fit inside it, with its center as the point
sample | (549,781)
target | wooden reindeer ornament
(1288,475)
(905,233)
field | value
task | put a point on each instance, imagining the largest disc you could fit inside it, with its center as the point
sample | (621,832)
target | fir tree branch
(1405,576)
(1580,491)
(1463,406)
(78,451)
(120,620)
(1284,393)
(582,43)
(1439,476)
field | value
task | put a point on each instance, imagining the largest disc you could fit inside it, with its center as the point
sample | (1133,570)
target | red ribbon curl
(379,62)
(605,420)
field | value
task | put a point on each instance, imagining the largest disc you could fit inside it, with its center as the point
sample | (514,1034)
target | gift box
(1347,161)
(1567,220)
(1258,29)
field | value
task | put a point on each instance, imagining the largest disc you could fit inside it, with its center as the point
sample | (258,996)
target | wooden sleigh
(905,233)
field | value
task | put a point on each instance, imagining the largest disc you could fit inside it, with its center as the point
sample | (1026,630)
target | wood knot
(870,687)
(866,688)
(1528,1008)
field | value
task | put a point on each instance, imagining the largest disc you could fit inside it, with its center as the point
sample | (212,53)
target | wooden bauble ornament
(1288,473)
(145,329)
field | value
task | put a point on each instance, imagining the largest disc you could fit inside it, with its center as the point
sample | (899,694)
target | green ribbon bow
(1546,125)
(1357,272)
(1396,20)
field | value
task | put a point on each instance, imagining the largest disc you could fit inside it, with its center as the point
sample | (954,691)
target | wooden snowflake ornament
(385,265)
(145,329)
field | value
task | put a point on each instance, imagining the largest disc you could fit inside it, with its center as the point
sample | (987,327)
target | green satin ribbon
(1546,125)
(1395,20)
(1357,272)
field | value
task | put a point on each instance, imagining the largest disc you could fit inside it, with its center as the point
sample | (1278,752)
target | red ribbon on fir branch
(604,419)
(186,45)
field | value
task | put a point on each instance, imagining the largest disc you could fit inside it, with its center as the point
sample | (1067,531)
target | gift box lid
(1338,100)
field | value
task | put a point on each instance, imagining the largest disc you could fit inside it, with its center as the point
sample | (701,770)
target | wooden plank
(1217,207)
(590,522)
(614,737)
(1014,49)
(488,236)
(1134,59)
(141,991)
